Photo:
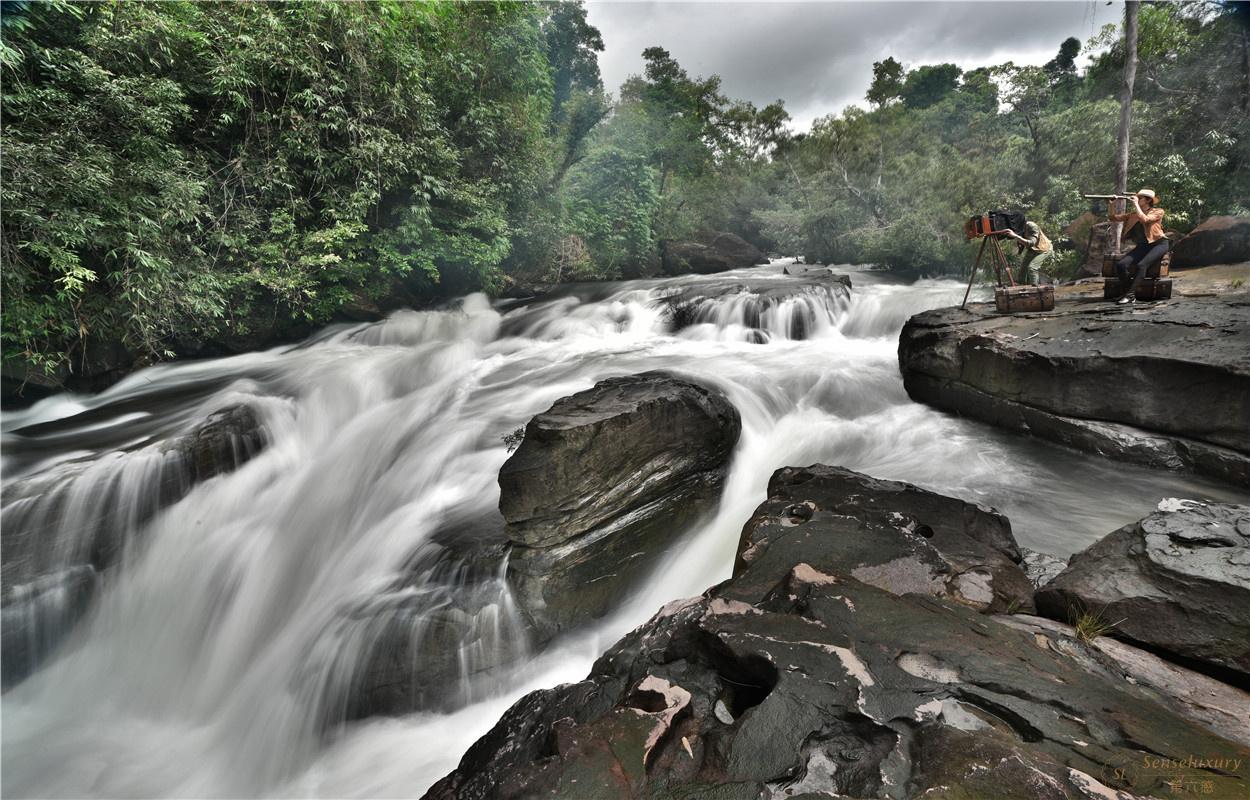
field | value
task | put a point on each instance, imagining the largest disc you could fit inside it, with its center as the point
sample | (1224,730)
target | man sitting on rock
(1145,229)
(1036,249)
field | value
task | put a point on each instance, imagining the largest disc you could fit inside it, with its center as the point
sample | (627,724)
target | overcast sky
(818,56)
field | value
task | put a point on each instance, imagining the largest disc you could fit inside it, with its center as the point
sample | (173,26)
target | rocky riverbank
(847,657)
(1163,384)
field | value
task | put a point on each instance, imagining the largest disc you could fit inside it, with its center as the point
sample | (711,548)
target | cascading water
(227,635)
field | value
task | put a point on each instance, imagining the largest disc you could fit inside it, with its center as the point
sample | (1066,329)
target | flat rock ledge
(1161,384)
(796,679)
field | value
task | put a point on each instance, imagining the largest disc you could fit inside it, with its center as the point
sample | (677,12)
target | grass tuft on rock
(1090,625)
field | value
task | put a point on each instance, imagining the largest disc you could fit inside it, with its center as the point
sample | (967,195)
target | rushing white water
(208,663)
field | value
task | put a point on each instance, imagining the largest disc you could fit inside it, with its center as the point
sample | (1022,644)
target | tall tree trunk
(1245,64)
(1126,112)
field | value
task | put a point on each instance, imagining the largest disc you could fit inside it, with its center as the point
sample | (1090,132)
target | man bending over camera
(1036,250)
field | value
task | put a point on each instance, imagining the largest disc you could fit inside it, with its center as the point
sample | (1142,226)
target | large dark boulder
(603,483)
(1218,240)
(711,252)
(64,529)
(1177,581)
(793,679)
(908,539)
(1166,385)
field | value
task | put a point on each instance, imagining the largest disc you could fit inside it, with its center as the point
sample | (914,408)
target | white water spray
(215,651)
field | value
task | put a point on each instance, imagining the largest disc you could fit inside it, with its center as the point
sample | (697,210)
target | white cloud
(818,56)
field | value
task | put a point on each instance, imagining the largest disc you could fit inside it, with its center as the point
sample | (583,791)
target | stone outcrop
(603,482)
(709,253)
(64,529)
(1217,240)
(1177,581)
(908,541)
(1166,384)
(795,679)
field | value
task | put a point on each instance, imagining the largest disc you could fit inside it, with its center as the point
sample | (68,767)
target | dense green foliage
(178,173)
(892,185)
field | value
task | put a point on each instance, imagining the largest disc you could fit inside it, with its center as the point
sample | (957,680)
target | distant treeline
(177,173)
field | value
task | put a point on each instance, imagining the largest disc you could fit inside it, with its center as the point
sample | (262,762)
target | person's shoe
(1126,300)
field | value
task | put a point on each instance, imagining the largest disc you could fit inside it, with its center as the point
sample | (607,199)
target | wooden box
(1150,289)
(1012,299)
(1157,270)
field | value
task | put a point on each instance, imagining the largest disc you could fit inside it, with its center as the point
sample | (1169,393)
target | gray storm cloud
(818,56)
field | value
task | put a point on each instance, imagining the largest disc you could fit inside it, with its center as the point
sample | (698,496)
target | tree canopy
(182,173)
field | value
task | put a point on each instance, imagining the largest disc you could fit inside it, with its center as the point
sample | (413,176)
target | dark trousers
(1144,256)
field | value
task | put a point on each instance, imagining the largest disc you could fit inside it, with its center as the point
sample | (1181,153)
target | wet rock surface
(1210,703)
(64,530)
(1177,581)
(1164,384)
(1040,567)
(709,253)
(603,483)
(908,540)
(795,679)
(38,511)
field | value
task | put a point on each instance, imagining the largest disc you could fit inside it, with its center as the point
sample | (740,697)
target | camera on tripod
(994,222)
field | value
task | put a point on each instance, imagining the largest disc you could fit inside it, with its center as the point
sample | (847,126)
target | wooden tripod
(997,257)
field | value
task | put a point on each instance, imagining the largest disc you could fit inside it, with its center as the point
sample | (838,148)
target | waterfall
(217,649)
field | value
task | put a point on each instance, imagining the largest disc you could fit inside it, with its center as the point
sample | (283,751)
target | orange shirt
(1151,219)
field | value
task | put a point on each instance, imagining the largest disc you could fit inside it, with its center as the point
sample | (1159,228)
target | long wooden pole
(976,266)
(1126,113)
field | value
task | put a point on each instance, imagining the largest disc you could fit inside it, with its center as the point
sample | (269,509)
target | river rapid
(206,665)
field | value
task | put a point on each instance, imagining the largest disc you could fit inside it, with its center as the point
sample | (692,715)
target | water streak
(217,652)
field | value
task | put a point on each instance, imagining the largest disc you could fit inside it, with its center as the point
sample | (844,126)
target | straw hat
(1148,193)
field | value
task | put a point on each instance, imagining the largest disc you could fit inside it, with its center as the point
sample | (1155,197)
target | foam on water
(215,653)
